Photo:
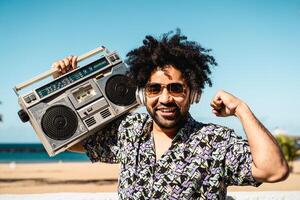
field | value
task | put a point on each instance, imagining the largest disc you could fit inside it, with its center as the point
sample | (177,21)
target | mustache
(167,105)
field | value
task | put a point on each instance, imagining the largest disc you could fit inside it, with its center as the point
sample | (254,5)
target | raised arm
(269,164)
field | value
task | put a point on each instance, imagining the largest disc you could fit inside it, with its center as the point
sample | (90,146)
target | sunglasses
(155,89)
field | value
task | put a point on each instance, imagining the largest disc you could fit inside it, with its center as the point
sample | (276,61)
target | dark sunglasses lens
(153,89)
(175,88)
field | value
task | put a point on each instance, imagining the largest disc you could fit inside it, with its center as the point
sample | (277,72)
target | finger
(217,112)
(74,62)
(57,69)
(56,66)
(217,98)
(218,95)
(70,57)
(67,63)
(217,104)
(213,105)
(62,66)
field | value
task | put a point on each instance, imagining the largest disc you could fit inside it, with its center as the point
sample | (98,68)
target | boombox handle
(53,70)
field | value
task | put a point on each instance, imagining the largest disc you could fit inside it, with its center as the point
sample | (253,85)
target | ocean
(35,153)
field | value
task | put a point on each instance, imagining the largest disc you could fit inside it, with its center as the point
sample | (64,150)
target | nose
(165,97)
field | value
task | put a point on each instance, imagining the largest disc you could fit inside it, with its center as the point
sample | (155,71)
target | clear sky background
(256,45)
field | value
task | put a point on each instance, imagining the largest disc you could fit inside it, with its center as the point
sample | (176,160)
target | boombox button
(32,97)
(112,59)
(27,99)
(88,111)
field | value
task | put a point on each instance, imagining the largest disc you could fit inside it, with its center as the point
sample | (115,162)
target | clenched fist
(225,104)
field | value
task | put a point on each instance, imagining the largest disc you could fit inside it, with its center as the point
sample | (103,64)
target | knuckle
(54,65)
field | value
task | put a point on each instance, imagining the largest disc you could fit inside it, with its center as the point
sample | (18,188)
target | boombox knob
(23,116)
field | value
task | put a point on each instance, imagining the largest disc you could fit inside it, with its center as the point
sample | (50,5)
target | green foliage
(288,146)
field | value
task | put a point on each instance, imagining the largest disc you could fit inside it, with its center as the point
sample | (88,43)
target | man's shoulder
(201,128)
(216,130)
(134,120)
(133,125)
(215,127)
(213,135)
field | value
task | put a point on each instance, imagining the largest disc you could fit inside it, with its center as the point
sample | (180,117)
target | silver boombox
(69,108)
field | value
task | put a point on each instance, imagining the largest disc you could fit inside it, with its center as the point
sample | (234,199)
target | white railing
(274,195)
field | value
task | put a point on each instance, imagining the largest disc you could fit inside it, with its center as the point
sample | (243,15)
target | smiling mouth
(167,112)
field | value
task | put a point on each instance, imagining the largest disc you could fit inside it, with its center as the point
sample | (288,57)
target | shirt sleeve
(103,146)
(238,162)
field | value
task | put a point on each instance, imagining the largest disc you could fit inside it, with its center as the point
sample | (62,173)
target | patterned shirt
(201,162)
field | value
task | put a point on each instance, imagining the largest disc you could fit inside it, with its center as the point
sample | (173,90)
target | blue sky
(256,45)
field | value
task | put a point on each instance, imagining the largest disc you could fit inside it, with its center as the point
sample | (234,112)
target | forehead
(166,75)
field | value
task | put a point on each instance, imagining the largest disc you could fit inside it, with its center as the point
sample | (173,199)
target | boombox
(69,108)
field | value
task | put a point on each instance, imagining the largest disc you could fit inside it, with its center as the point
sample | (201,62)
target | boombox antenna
(53,70)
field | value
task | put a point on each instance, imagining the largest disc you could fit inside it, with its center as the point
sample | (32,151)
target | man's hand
(65,65)
(225,104)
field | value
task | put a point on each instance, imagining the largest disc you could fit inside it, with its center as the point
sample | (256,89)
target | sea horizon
(35,153)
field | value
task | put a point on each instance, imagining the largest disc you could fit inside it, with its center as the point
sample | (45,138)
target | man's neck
(170,132)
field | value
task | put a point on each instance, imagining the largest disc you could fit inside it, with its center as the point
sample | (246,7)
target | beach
(38,178)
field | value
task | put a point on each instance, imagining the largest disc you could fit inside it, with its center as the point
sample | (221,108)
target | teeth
(166,110)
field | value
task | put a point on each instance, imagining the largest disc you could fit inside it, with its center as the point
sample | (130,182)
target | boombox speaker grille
(120,90)
(59,122)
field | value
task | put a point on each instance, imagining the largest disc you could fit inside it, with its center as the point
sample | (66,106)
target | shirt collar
(186,130)
(182,134)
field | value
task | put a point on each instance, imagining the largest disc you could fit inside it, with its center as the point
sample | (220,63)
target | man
(196,160)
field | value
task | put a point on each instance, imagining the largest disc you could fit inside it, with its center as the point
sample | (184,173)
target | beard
(168,116)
